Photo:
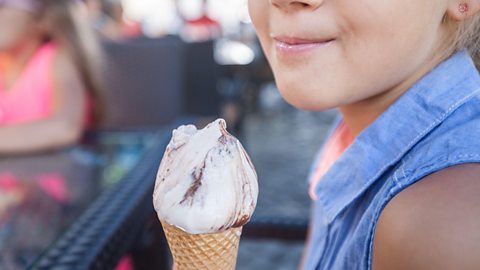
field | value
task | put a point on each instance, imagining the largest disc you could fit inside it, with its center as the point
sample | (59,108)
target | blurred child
(397,184)
(49,64)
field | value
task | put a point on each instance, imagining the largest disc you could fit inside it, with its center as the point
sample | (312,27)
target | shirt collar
(382,144)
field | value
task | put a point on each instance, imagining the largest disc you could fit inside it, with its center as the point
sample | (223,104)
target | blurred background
(85,200)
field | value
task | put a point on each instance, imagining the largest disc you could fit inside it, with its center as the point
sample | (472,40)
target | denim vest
(434,125)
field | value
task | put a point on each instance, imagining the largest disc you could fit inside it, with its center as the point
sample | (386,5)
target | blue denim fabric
(434,125)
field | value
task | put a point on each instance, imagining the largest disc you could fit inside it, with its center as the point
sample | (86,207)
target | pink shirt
(31,97)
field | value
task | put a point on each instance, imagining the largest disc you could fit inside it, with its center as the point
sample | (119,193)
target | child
(48,96)
(48,74)
(397,184)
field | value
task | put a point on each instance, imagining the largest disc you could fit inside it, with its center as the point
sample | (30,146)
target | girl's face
(16,27)
(329,53)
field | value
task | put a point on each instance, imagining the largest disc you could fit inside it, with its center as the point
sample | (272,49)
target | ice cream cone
(203,251)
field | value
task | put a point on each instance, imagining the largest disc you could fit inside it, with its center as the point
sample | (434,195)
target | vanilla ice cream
(206,182)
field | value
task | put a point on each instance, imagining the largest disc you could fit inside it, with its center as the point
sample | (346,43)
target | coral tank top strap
(31,97)
(339,140)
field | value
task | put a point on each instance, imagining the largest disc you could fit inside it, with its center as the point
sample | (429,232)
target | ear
(459,10)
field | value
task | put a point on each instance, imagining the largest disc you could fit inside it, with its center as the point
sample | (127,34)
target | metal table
(79,208)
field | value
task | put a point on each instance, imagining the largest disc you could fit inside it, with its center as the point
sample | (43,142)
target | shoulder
(66,74)
(69,88)
(64,63)
(433,224)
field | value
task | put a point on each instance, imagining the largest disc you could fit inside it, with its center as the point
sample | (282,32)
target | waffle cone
(203,251)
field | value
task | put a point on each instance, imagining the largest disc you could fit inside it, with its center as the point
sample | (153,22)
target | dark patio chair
(144,82)
(201,75)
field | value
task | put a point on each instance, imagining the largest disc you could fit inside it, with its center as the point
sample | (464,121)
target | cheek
(382,49)
(259,13)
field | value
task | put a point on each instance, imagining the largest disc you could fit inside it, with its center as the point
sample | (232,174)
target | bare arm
(434,224)
(63,127)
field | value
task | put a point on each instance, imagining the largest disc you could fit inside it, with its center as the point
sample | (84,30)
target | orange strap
(340,139)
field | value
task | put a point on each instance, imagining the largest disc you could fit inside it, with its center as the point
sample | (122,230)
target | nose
(291,5)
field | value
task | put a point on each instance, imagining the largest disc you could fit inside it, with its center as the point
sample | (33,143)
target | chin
(307,98)
(306,102)
(309,105)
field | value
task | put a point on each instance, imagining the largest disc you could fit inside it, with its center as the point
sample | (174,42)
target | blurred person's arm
(64,127)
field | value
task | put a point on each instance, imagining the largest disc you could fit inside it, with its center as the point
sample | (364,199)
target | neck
(359,115)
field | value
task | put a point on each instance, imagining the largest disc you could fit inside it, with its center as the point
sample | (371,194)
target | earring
(463,8)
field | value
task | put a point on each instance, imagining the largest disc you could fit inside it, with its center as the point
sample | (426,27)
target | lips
(298,41)
(286,44)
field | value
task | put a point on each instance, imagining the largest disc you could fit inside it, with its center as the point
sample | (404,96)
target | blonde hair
(67,27)
(467,35)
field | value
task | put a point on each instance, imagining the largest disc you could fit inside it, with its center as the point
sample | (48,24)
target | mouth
(286,44)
